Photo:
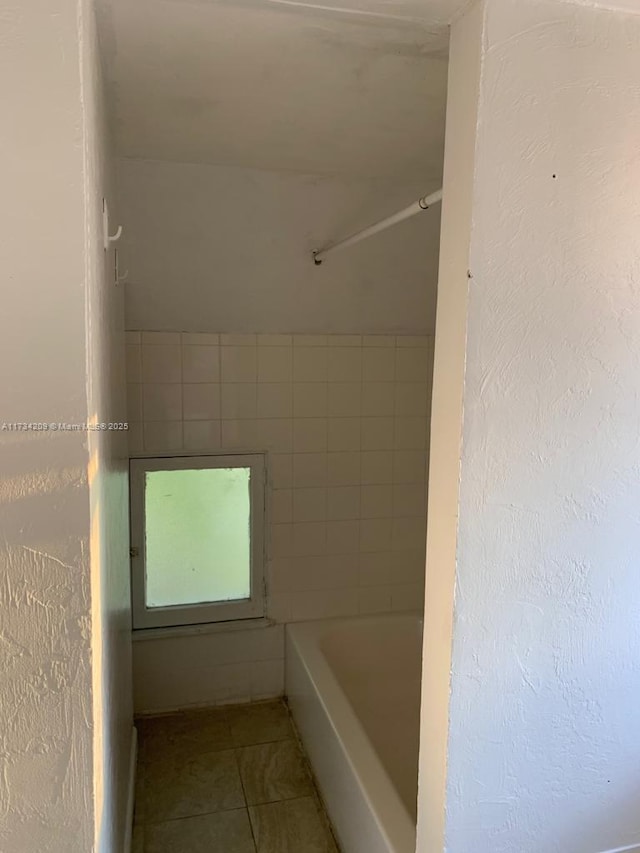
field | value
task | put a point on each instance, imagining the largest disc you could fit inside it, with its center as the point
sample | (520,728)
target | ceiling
(357,88)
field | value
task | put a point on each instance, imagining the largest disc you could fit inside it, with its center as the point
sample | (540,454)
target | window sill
(166,633)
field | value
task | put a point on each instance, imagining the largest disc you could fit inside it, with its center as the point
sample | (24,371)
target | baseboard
(131,791)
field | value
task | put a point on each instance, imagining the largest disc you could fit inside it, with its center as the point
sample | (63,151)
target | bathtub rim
(389,812)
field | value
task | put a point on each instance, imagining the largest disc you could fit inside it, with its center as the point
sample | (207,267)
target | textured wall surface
(343,420)
(46,797)
(544,751)
(213,249)
(65,708)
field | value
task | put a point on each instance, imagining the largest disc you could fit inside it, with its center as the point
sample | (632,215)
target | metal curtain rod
(423,203)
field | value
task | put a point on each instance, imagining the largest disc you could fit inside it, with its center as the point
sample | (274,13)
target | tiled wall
(344,420)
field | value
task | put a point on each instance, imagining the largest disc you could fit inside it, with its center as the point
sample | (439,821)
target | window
(196,539)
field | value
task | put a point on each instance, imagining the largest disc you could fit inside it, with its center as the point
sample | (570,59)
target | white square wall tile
(279,606)
(282,506)
(200,363)
(409,466)
(343,537)
(134,401)
(343,468)
(375,534)
(238,364)
(410,500)
(344,434)
(275,363)
(309,399)
(407,597)
(412,365)
(413,341)
(163,436)
(202,435)
(323,604)
(344,399)
(133,356)
(162,402)
(409,567)
(267,679)
(275,400)
(411,399)
(281,541)
(377,467)
(374,599)
(375,568)
(377,501)
(379,341)
(344,364)
(309,364)
(275,434)
(161,363)
(200,339)
(377,433)
(343,502)
(310,340)
(240,434)
(411,434)
(310,504)
(275,340)
(378,364)
(135,440)
(201,401)
(280,470)
(341,571)
(160,338)
(238,400)
(281,573)
(345,340)
(309,435)
(408,534)
(378,399)
(238,340)
(309,538)
(309,469)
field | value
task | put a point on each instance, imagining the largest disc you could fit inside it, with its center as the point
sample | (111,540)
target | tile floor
(226,780)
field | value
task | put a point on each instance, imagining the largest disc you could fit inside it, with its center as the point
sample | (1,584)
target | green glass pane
(197,536)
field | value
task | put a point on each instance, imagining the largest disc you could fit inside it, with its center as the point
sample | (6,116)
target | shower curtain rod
(423,203)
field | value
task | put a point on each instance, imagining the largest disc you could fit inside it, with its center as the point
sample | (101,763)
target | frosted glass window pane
(197,532)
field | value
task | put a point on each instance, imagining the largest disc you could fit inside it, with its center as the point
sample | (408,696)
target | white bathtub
(354,691)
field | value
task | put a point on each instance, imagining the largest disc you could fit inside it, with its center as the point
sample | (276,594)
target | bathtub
(353,687)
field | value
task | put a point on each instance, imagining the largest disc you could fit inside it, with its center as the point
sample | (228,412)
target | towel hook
(108,238)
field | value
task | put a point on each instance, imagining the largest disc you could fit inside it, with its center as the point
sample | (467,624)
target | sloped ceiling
(353,89)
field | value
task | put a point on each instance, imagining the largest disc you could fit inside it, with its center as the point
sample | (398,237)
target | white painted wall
(222,249)
(54,712)
(46,796)
(108,472)
(544,715)
(446,424)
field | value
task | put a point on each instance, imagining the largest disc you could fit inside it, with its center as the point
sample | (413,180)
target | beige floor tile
(292,826)
(178,787)
(259,723)
(137,841)
(273,771)
(187,734)
(224,832)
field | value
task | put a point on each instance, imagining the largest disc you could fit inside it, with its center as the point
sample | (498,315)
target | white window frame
(193,614)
